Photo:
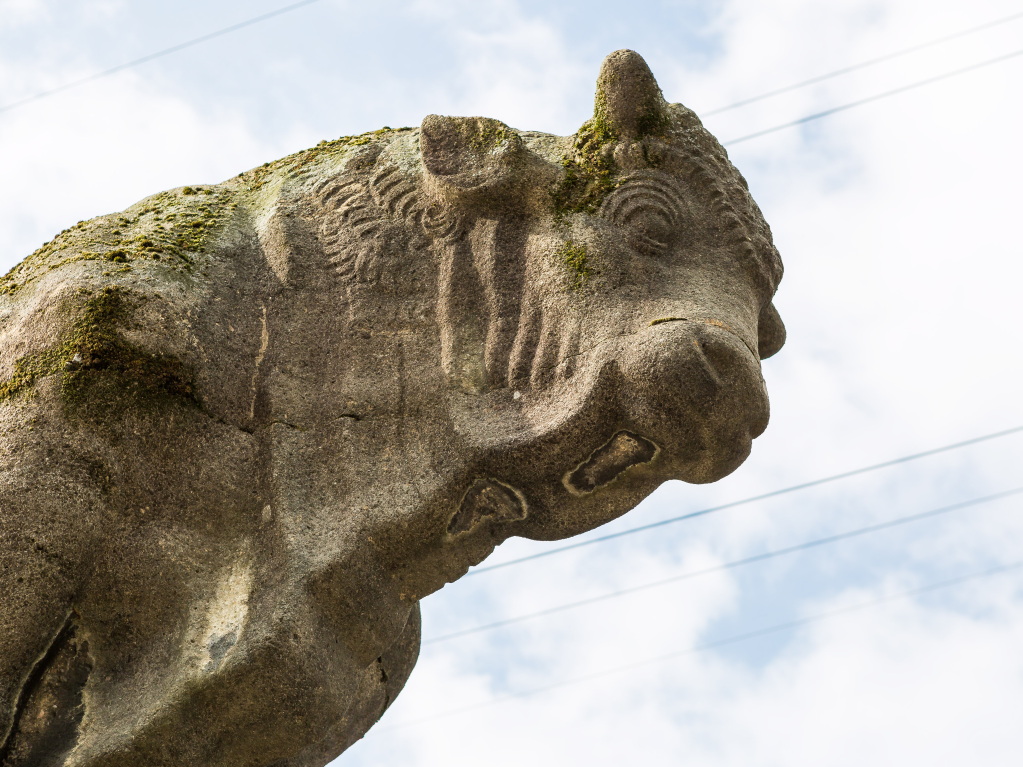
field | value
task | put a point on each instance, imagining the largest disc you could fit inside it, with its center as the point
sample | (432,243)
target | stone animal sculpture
(247,427)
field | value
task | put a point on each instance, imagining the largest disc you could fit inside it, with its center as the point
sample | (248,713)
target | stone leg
(379,686)
(35,602)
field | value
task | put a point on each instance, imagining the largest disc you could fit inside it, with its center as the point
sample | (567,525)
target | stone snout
(681,399)
(694,387)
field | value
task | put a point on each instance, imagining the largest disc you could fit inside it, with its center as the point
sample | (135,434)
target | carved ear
(628,100)
(468,153)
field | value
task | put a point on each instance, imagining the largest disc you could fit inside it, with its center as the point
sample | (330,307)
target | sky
(898,222)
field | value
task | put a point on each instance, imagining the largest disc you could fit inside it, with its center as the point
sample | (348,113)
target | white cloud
(908,685)
(515,66)
(903,683)
(101,147)
(14,13)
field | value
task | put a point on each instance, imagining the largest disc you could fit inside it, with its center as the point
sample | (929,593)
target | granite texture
(246,427)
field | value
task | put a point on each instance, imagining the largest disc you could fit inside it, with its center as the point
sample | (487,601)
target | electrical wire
(863,64)
(730,142)
(156,55)
(875,97)
(719,110)
(727,565)
(750,499)
(717,643)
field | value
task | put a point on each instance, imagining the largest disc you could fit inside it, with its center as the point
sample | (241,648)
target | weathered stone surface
(247,427)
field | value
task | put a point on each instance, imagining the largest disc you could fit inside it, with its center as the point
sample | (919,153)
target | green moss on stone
(577,259)
(171,227)
(100,372)
(486,134)
(655,122)
(296,164)
(590,172)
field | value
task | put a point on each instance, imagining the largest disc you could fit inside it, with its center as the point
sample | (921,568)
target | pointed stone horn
(628,100)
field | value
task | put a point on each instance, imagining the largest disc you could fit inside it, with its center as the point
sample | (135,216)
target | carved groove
(488,499)
(609,461)
(50,709)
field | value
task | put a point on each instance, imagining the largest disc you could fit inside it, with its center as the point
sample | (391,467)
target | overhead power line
(750,499)
(715,644)
(727,565)
(875,97)
(756,134)
(864,64)
(156,55)
(295,6)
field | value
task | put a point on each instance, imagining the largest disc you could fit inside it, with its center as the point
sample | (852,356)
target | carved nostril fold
(707,327)
(707,363)
(709,360)
(719,356)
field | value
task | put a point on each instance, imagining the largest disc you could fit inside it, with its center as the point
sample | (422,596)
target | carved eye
(648,207)
(649,230)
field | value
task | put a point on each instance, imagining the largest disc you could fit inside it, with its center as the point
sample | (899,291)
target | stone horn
(468,156)
(629,103)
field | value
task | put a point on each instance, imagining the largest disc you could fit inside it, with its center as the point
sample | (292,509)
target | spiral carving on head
(438,222)
(403,199)
(363,214)
(649,206)
(351,228)
(737,215)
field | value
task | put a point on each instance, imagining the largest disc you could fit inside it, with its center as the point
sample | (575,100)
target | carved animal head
(603,301)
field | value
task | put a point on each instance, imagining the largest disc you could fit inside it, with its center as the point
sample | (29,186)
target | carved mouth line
(712,323)
(609,461)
